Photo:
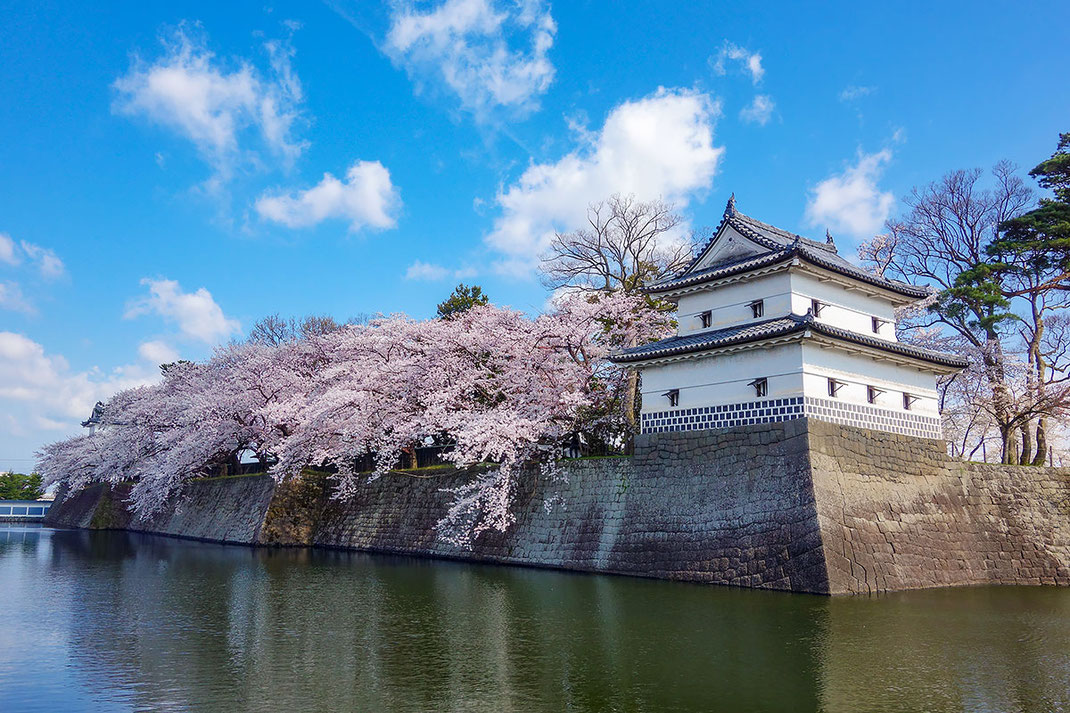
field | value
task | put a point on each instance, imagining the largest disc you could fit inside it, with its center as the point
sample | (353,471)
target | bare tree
(945,239)
(625,243)
(274,330)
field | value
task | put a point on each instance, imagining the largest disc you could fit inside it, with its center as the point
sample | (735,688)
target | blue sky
(170,172)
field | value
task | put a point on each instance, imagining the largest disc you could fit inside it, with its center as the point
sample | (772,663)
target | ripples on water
(110,621)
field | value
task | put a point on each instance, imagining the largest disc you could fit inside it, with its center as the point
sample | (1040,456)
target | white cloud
(42,399)
(197,314)
(852,92)
(46,260)
(660,146)
(851,202)
(11,298)
(7,250)
(25,255)
(157,352)
(367,197)
(750,62)
(191,92)
(490,54)
(431,272)
(759,111)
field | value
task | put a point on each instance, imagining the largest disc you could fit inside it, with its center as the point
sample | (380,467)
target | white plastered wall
(857,371)
(730,304)
(724,378)
(847,309)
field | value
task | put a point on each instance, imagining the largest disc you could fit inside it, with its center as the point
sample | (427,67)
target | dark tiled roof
(776,327)
(782,246)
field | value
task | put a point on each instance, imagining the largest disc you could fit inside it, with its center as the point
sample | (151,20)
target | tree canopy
(497,386)
(462,299)
(19,486)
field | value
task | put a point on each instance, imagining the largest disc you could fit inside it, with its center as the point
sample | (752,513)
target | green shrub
(18,486)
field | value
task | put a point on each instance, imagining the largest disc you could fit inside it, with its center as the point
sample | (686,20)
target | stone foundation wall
(216,509)
(801,505)
(726,507)
(895,513)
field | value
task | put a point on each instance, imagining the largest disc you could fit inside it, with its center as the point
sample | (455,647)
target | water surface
(112,621)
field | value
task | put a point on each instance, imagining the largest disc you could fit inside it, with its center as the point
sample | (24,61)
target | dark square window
(761,387)
(706,318)
(834,387)
(909,400)
(872,393)
(816,306)
(758,308)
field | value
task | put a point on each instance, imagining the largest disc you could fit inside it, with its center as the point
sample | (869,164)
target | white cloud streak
(367,197)
(196,313)
(852,92)
(44,260)
(749,62)
(194,94)
(491,55)
(157,352)
(42,398)
(11,298)
(851,202)
(660,146)
(431,272)
(7,250)
(758,111)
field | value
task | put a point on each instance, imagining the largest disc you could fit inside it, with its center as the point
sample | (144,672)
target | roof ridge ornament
(828,238)
(730,208)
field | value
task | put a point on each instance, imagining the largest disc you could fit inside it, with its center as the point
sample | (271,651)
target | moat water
(110,621)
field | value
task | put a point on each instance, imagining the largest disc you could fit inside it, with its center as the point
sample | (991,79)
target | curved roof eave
(779,327)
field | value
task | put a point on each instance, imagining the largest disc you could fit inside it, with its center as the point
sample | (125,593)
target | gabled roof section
(779,246)
(778,327)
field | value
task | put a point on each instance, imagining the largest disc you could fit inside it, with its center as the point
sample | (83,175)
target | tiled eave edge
(789,260)
(718,350)
(812,331)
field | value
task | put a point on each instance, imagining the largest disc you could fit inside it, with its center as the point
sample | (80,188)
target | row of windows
(758,310)
(873,393)
(761,389)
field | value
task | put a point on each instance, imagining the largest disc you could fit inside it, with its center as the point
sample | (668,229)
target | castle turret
(773,326)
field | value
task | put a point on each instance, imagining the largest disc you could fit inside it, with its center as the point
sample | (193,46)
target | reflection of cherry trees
(496,386)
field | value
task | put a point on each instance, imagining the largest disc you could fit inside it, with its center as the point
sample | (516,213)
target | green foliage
(1035,246)
(171,365)
(1055,172)
(463,299)
(976,298)
(18,486)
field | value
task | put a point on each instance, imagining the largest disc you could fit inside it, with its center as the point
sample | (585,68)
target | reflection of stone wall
(801,505)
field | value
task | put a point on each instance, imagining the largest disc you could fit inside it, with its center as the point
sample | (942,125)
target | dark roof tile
(778,326)
(782,245)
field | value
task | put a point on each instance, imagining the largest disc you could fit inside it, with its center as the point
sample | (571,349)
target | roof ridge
(787,234)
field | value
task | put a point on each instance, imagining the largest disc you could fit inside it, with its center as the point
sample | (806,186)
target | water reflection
(154,623)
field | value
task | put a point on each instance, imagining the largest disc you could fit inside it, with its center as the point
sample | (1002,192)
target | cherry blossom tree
(497,387)
(199,418)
